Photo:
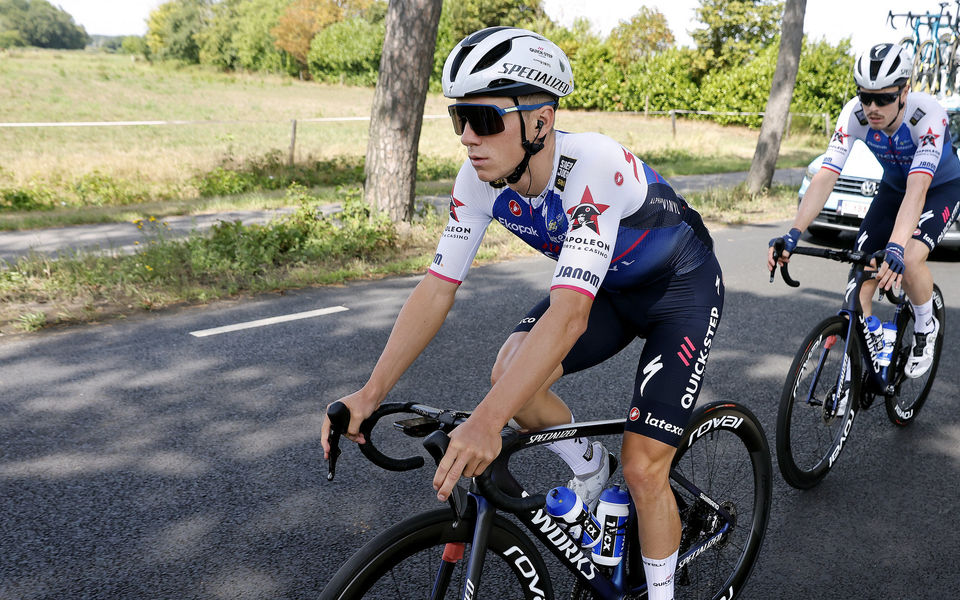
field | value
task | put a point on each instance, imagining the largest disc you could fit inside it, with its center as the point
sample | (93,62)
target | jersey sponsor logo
(618,178)
(946,214)
(578,274)
(662,424)
(454,205)
(917,115)
(668,205)
(928,138)
(686,351)
(563,171)
(438,259)
(862,118)
(635,412)
(700,364)
(877,137)
(515,209)
(587,212)
(839,136)
(516,227)
(649,371)
(536,76)
(457,232)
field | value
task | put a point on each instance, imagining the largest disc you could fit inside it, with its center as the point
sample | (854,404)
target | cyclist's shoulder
(588,146)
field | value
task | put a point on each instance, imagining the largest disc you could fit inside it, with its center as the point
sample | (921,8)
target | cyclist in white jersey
(919,194)
(633,260)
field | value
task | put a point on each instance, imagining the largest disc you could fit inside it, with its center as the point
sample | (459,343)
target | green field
(238,120)
(233,154)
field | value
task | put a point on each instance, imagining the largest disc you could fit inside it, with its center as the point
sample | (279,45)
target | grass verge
(299,250)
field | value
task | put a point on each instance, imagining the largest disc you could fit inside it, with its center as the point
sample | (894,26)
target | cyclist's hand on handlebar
(473,445)
(360,408)
(891,269)
(790,240)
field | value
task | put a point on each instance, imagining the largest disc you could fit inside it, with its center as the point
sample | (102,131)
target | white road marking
(268,321)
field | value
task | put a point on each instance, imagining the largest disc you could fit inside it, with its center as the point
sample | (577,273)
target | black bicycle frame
(549,531)
(880,376)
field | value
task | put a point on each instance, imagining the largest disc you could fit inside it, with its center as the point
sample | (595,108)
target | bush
(348,52)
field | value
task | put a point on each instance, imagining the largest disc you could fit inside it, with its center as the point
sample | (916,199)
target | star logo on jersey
(839,136)
(454,205)
(929,138)
(587,212)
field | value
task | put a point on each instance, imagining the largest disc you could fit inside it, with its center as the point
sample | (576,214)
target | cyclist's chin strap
(900,105)
(529,149)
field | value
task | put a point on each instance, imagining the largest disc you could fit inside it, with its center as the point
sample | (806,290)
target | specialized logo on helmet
(586,213)
(878,52)
(536,76)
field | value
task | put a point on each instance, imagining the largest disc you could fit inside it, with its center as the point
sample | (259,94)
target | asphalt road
(140,461)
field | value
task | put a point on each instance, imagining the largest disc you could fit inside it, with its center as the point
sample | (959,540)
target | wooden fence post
(673,122)
(646,106)
(786,132)
(826,123)
(293,140)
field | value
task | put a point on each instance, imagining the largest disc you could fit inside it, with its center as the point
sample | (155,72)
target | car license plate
(854,209)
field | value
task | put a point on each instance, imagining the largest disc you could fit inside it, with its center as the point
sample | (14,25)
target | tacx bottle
(564,504)
(612,512)
(889,340)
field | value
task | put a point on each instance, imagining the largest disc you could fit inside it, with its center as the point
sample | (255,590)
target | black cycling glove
(894,257)
(789,240)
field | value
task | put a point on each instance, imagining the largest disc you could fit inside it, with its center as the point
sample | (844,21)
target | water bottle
(889,340)
(564,504)
(875,334)
(612,512)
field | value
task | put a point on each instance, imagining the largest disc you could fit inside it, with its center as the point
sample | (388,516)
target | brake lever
(339,416)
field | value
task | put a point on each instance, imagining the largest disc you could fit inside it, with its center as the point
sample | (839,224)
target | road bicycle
(934,63)
(721,478)
(836,374)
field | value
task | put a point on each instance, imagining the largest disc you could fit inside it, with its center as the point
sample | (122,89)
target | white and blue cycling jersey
(920,145)
(608,219)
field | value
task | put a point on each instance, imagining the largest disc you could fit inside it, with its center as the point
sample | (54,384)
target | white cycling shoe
(590,486)
(921,353)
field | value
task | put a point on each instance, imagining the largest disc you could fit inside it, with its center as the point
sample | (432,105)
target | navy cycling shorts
(678,319)
(939,212)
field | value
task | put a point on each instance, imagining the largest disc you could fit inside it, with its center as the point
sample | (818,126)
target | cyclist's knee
(915,254)
(646,465)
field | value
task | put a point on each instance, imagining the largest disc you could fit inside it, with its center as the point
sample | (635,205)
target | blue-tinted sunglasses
(484,119)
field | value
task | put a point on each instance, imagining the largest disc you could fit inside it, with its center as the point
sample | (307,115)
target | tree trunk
(781,93)
(397,114)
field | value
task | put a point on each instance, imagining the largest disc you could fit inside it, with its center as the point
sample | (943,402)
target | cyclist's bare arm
(907,219)
(810,206)
(418,322)
(475,443)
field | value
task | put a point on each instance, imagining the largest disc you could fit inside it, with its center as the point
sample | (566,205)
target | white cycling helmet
(506,61)
(883,65)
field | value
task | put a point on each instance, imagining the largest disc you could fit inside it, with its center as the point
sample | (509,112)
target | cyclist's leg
(669,379)
(603,338)
(940,210)
(875,232)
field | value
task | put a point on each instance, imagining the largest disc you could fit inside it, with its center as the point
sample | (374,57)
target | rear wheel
(910,394)
(724,454)
(818,404)
(423,553)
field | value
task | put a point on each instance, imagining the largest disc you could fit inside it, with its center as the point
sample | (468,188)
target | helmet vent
(498,52)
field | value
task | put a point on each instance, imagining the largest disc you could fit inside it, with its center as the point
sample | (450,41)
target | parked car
(858,183)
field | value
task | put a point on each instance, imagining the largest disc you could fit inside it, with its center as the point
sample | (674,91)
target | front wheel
(818,404)
(425,557)
(725,455)
(909,395)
